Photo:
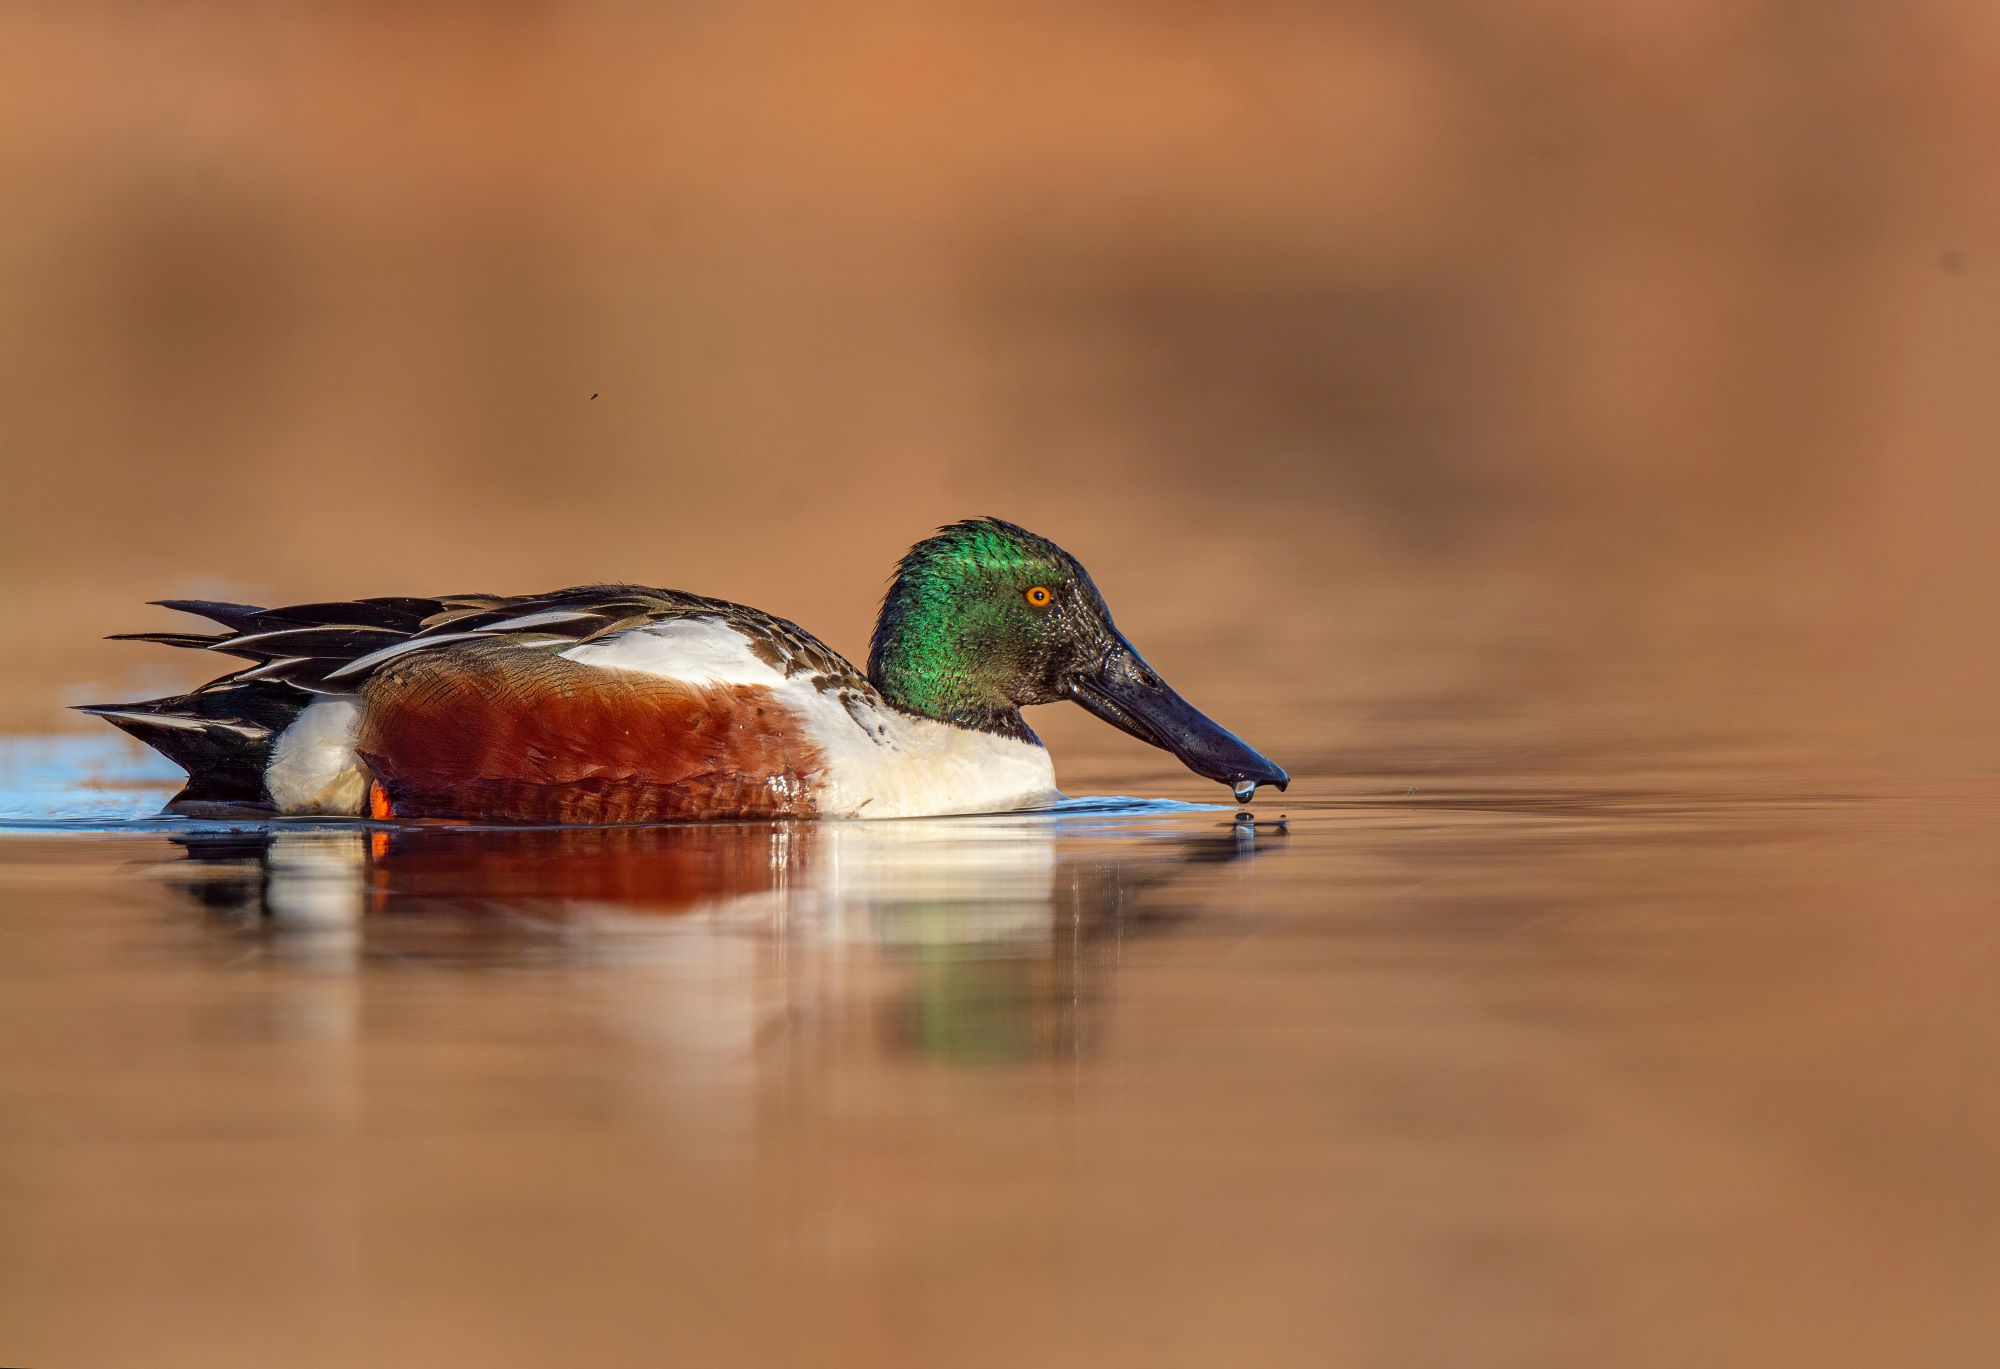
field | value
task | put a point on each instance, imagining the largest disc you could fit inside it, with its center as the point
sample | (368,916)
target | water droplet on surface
(1245,790)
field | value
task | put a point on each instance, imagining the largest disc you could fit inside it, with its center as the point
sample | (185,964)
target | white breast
(913,767)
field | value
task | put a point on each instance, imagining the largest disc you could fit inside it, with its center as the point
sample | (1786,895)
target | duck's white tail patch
(314,768)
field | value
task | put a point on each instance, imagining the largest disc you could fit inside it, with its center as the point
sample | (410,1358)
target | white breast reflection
(966,938)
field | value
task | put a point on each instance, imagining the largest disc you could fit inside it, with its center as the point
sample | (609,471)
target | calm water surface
(1515,1068)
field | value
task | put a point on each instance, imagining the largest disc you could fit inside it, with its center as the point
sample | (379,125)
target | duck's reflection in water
(999,936)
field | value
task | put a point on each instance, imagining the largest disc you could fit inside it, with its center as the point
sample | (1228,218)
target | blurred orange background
(1537,425)
(1334,337)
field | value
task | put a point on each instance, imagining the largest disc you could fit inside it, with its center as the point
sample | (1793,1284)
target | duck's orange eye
(1039,596)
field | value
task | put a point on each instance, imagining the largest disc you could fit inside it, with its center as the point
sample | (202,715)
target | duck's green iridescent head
(985,617)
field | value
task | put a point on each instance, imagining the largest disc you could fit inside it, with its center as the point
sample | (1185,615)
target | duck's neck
(918,664)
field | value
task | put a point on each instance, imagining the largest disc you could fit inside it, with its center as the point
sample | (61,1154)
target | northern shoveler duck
(619,704)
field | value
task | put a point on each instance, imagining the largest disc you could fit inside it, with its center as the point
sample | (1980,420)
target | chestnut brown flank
(501,733)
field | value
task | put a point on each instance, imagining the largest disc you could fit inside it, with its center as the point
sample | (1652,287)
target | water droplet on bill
(1245,790)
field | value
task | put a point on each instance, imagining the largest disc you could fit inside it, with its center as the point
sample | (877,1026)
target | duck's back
(587,705)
